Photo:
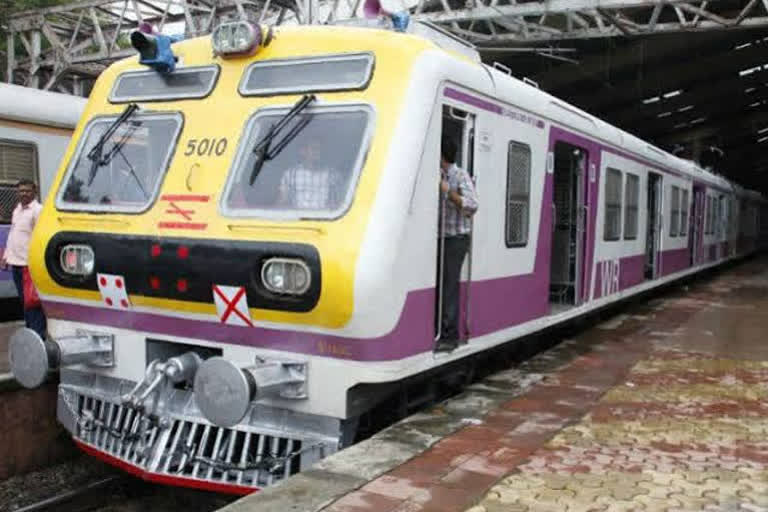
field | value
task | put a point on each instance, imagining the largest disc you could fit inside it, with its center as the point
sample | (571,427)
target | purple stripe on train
(675,260)
(411,335)
(615,275)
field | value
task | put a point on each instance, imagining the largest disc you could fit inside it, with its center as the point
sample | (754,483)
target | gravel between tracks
(23,490)
(132,495)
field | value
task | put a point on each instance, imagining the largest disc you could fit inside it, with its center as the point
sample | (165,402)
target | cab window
(309,170)
(120,167)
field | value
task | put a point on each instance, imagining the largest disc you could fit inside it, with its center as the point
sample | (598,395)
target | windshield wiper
(94,155)
(132,171)
(261,149)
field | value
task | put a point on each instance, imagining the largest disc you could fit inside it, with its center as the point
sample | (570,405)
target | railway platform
(662,407)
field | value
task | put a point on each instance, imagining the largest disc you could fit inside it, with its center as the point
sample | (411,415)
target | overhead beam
(693,71)
(597,18)
(639,53)
(700,98)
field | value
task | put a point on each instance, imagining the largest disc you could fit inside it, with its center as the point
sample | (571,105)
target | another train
(220,320)
(35,128)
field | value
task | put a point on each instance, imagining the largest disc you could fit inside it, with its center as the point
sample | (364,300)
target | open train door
(697,227)
(459,126)
(654,226)
(570,203)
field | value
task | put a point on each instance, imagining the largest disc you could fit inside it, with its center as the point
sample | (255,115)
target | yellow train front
(217,253)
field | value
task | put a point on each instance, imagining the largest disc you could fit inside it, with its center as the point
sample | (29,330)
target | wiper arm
(261,149)
(94,155)
(118,146)
(132,171)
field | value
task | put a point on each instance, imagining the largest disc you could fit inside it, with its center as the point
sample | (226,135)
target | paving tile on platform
(361,501)
(395,487)
(473,482)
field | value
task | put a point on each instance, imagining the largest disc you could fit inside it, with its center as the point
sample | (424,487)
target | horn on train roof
(154,49)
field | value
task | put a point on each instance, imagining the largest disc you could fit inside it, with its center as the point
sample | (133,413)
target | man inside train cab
(16,253)
(311,184)
(460,202)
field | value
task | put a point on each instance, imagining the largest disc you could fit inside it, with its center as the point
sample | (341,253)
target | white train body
(563,228)
(35,129)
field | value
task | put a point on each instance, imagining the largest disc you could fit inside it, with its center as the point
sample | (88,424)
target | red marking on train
(154,282)
(177,481)
(182,285)
(186,214)
(156,250)
(175,210)
(185,197)
(182,252)
(232,305)
(182,225)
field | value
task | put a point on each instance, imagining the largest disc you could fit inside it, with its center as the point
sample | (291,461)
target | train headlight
(286,276)
(77,259)
(239,38)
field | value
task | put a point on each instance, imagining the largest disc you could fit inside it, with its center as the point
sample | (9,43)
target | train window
(184,83)
(674,212)
(518,193)
(309,170)
(122,174)
(684,213)
(631,198)
(18,160)
(309,74)
(612,228)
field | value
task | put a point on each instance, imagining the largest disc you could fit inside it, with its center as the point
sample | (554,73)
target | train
(35,128)
(216,324)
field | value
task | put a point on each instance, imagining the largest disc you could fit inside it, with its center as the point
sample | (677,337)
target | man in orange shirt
(17,248)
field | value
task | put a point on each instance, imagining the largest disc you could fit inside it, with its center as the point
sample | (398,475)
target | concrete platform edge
(350,469)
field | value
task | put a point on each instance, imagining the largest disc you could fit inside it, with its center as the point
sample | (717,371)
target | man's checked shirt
(312,189)
(457,221)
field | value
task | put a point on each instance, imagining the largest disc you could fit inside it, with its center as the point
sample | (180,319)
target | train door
(569,222)
(459,126)
(653,226)
(697,228)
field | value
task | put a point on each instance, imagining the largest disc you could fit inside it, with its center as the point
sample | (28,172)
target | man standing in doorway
(17,248)
(459,203)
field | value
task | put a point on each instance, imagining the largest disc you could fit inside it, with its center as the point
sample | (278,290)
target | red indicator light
(154,282)
(124,303)
(103,281)
(182,285)
(119,283)
(155,251)
(182,252)
(108,301)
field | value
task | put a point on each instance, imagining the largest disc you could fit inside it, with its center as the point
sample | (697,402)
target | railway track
(83,484)
(121,493)
(82,498)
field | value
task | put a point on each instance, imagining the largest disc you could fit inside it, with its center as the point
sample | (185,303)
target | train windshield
(123,173)
(309,170)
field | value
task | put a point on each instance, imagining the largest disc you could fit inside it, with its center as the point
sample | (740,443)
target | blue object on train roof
(400,20)
(155,50)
